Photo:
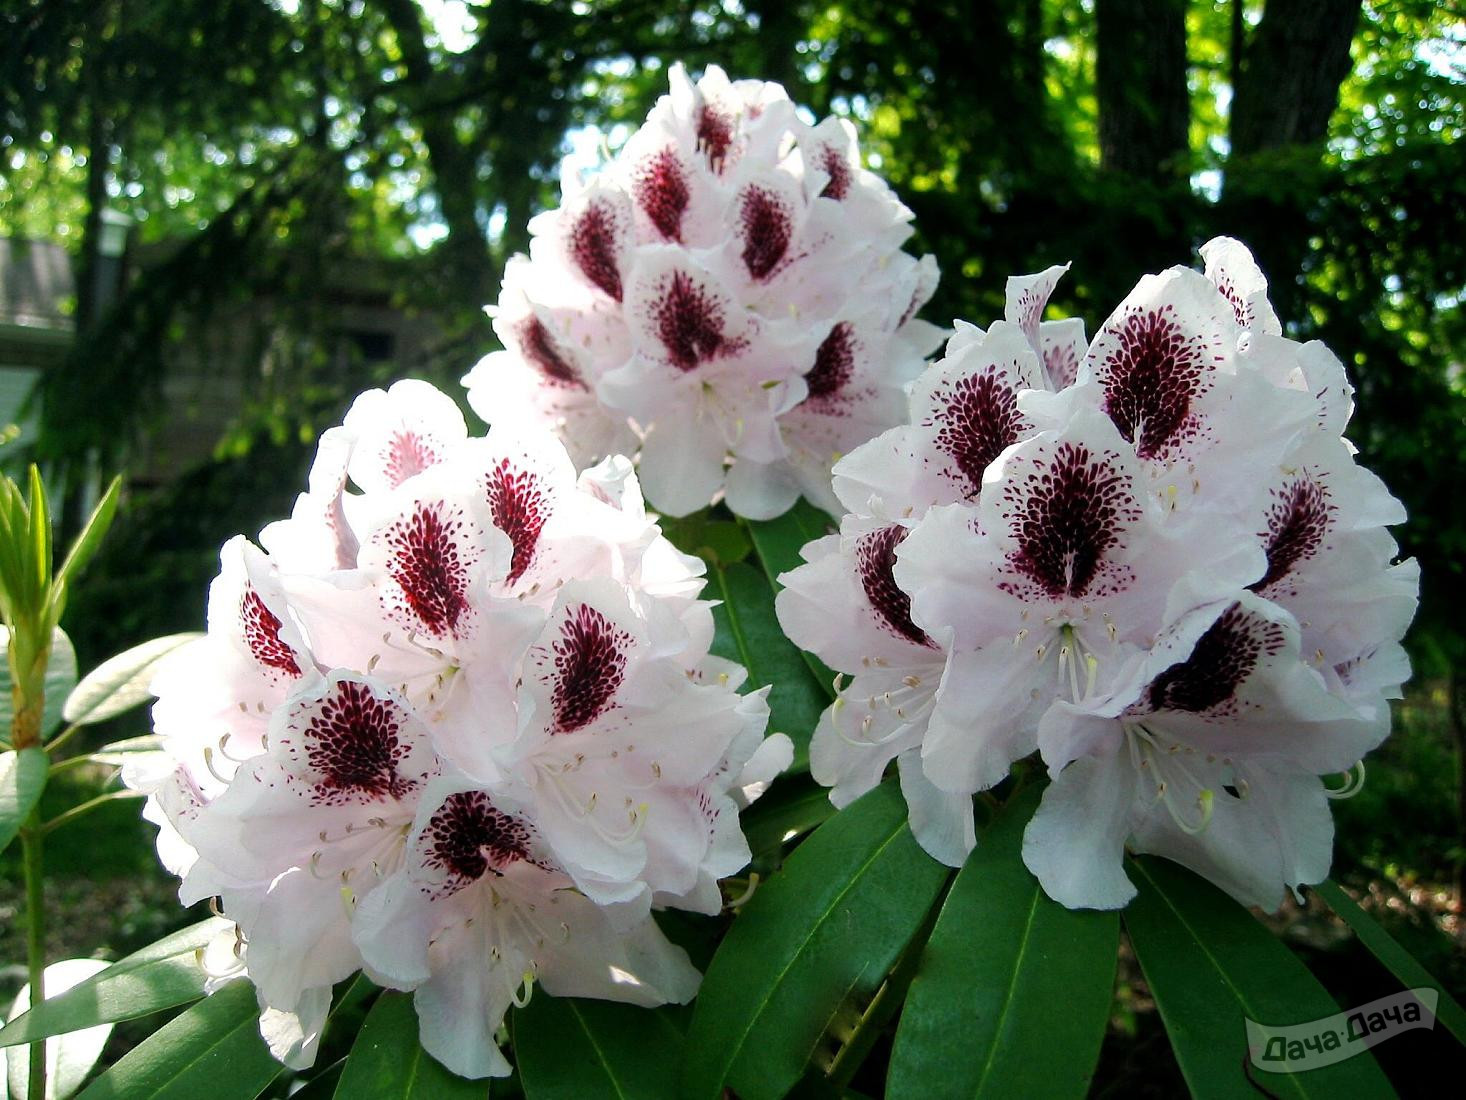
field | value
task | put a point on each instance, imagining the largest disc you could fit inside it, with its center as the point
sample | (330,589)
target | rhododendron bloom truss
(458,725)
(729,294)
(1153,559)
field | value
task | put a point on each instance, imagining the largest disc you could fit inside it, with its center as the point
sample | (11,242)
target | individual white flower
(315,820)
(729,292)
(452,639)
(481,910)
(1211,757)
(1153,558)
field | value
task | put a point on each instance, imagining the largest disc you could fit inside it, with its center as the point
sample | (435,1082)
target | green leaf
(981,1018)
(388,1063)
(1209,963)
(40,536)
(213,1050)
(121,682)
(714,540)
(568,1049)
(22,779)
(823,931)
(748,632)
(118,753)
(161,975)
(60,679)
(1396,959)
(70,1058)
(791,807)
(777,543)
(92,534)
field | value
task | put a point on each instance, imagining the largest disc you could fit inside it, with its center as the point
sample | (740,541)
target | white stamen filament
(1164,763)
(1353,783)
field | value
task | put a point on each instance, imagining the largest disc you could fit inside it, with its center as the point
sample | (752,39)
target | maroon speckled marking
(689,322)
(838,169)
(976,418)
(1297,522)
(431,567)
(593,247)
(469,837)
(261,628)
(875,557)
(661,190)
(766,226)
(834,363)
(536,345)
(589,665)
(520,506)
(1207,681)
(714,135)
(354,740)
(1067,513)
(1152,377)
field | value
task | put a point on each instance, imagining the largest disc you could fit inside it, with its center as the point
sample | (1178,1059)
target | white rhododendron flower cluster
(459,729)
(729,294)
(1153,559)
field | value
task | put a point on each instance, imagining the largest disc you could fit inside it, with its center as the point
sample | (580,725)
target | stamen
(1354,783)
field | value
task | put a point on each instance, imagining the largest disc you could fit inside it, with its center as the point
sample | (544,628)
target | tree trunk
(1291,71)
(1456,705)
(455,175)
(1144,105)
(1288,87)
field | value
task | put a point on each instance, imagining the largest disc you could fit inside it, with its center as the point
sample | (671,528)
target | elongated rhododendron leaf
(1210,965)
(159,976)
(981,1019)
(567,1048)
(1396,958)
(824,930)
(748,632)
(213,1050)
(388,1062)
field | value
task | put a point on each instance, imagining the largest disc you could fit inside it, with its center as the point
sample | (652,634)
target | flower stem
(35,918)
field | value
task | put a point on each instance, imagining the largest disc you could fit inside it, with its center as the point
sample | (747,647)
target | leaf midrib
(194,1061)
(595,1046)
(734,624)
(1242,1000)
(737,1048)
(987,1065)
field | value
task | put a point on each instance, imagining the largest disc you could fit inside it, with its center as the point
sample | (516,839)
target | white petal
(1075,843)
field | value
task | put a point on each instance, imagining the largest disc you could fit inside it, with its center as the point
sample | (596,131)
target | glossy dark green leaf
(388,1062)
(1210,964)
(792,807)
(981,1018)
(714,540)
(568,1048)
(748,632)
(213,1050)
(22,779)
(824,930)
(778,541)
(1395,958)
(161,975)
(777,544)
